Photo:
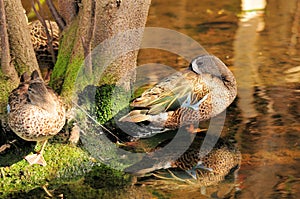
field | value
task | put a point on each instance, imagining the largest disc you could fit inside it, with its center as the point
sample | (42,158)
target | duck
(35,113)
(39,36)
(40,42)
(205,89)
(197,164)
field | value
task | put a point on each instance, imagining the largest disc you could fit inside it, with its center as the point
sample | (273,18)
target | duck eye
(224,79)
(199,63)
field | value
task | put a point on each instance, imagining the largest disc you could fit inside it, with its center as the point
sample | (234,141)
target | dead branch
(49,37)
(59,20)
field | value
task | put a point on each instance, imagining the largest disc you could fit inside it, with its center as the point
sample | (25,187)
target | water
(262,49)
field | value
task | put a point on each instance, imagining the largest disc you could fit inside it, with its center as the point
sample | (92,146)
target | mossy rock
(110,99)
(104,102)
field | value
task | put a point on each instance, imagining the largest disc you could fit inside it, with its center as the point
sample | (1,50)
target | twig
(4,147)
(2,169)
(59,20)
(103,127)
(161,177)
(47,191)
(43,21)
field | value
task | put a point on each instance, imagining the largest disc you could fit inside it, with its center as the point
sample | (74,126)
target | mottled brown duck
(200,92)
(40,42)
(35,113)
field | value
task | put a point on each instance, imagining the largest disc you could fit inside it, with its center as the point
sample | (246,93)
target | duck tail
(135,116)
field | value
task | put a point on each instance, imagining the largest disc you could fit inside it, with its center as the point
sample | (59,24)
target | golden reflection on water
(258,51)
(266,94)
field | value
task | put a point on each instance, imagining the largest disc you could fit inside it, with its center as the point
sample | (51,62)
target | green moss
(108,78)
(113,178)
(66,164)
(109,100)
(62,162)
(82,189)
(64,56)
(6,87)
(70,78)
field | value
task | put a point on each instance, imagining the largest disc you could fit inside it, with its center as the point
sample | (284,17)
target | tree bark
(97,21)
(21,48)
(8,70)
(17,54)
(117,17)
(67,10)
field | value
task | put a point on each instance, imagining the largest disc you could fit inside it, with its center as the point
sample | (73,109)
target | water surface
(262,49)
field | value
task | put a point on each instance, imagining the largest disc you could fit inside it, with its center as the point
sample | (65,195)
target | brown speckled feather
(41,44)
(38,35)
(36,112)
(204,90)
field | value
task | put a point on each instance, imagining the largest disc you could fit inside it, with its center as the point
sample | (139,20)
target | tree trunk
(8,75)
(8,70)
(22,52)
(118,18)
(17,54)
(97,21)
(67,10)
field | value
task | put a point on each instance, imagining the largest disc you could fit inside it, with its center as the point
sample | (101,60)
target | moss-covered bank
(70,169)
(66,165)
(5,87)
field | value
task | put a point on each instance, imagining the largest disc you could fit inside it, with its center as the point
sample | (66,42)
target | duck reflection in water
(198,165)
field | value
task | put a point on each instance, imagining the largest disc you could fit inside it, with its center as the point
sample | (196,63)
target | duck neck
(44,101)
(49,106)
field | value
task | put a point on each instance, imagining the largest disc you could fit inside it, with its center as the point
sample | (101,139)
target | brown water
(263,51)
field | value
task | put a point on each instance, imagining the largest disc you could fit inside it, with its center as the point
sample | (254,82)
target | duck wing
(170,93)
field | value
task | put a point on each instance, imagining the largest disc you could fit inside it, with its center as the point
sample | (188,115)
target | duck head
(219,79)
(210,65)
